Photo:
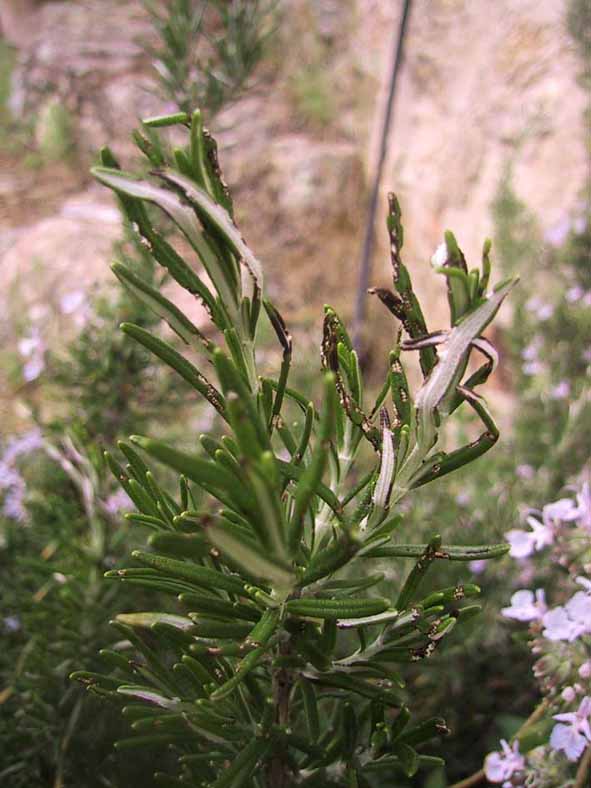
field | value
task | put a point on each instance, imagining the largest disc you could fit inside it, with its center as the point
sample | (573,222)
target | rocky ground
(484,86)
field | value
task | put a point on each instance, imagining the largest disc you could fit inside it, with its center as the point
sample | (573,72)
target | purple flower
(579,225)
(543,310)
(499,767)
(579,610)
(557,625)
(524,543)
(12,623)
(478,567)
(531,351)
(9,476)
(527,571)
(22,444)
(526,607)
(33,349)
(13,506)
(72,301)
(29,346)
(10,479)
(568,694)
(532,368)
(525,471)
(573,737)
(561,390)
(583,511)
(33,368)
(118,501)
(558,233)
(574,294)
(570,621)
(559,511)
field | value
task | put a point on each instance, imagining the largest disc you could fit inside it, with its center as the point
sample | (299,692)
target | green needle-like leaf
(250,555)
(177,362)
(336,608)
(160,305)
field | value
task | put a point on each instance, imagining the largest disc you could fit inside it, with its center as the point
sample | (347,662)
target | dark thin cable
(368,241)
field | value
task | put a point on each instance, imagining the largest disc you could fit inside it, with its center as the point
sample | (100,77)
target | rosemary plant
(280,664)
(206,50)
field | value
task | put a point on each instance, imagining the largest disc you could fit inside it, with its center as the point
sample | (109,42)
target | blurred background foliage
(60,522)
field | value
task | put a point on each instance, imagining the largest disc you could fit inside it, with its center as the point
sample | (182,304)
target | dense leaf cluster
(282,663)
(206,50)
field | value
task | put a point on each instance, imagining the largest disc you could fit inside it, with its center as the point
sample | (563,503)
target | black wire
(368,241)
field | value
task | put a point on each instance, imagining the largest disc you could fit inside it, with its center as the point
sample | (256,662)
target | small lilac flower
(499,767)
(9,476)
(478,567)
(527,571)
(32,369)
(524,543)
(10,479)
(525,471)
(559,511)
(558,625)
(526,607)
(561,390)
(530,352)
(72,301)
(585,582)
(532,368)
(12,623)
(571,621)
(568,694)
(579,610)
(574,294)
(573,737)
(38,312)
(585,670)
(118,501)
(13,506)
(545,312)
(22,444)
(28,345)
(33,349)
(558,233)
(583,512)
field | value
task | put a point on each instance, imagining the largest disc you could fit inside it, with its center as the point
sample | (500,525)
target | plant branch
(537,714)
(474,779)
(584,770)
(281,687)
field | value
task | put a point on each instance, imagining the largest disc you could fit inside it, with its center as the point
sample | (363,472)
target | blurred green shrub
(548,372)
(312,96)
(54,615)
(207,50)
(54,131)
